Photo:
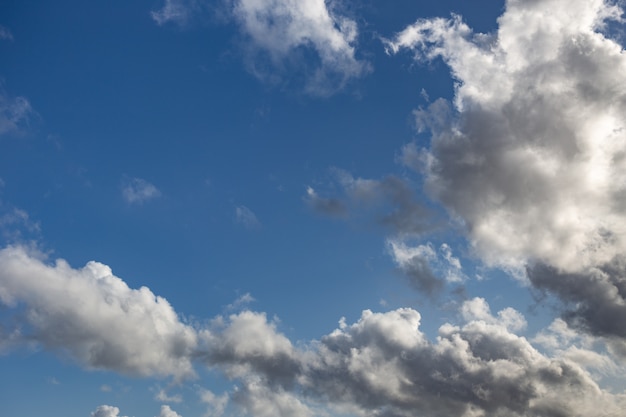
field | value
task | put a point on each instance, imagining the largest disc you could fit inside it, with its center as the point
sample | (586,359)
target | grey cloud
(595,299)
(5,34)
(93,317)
(394,203)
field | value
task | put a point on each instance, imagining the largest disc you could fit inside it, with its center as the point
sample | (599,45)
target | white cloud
(246,217)
(106,411)
(164,397)
(166,411)
(137,191)
(94,317)
(276,30)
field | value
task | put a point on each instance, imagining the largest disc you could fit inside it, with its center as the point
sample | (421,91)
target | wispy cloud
(276,30)
(137,191)
(15,113)
(246,217)
(106,411)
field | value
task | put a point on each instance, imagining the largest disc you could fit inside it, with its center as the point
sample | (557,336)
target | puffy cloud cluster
(530,153)
(94,317)
(382,365)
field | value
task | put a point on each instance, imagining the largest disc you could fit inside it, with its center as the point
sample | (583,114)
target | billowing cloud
(246,217)
(277,31)
(381,365)
(93,316)
(529,156)
(106,411)
(15,112)
(137,191)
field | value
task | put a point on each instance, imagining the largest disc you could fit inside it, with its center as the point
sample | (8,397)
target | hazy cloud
(5,33)
(15,113)
(137,191)
(246,217)
(94,317)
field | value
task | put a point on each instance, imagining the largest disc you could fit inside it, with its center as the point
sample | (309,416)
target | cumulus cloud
(427,269)
(383,365)
(216,404)
(529,155)
(137,191)
(246,217)
(93,316)
(106,411)
(15,112)
(166,411)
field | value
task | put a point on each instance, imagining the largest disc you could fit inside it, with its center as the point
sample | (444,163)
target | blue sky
(312,208)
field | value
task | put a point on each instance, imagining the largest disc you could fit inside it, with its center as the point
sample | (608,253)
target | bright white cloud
(106,411)
(137,191)
(94,316)
(166,411)
(529,156)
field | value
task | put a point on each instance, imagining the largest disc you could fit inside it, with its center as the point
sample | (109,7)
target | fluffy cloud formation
(106,411)
(383,365)
(94,317)
(277,32)
(137,191)
(530,154)
(166,411)
(424,266)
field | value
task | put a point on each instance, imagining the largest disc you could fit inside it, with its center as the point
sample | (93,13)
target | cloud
(106,411)
(392,200)
(164,397)
(93,317)
(137,191)
(15,112)
(166,411)
(529,156)
(279,35)
(246,217)
(5,34)
(383,365)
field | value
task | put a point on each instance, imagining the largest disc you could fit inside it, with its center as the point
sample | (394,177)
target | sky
(309,208)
